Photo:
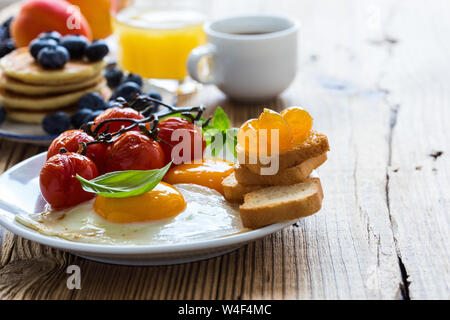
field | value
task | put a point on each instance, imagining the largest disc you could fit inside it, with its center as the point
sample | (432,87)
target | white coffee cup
(252,58)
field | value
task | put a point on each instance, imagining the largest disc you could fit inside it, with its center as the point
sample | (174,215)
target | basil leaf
(231,140)
(208,135)
(218,146)
(220,120)
(124,184)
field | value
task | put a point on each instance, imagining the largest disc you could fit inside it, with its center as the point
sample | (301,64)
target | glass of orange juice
(155,38)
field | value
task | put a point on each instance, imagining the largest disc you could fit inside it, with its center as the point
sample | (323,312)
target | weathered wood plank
(336,263)
(418,81)
(359,60)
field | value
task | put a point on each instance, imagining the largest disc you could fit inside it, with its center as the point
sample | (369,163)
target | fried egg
(210,173)
(166,215)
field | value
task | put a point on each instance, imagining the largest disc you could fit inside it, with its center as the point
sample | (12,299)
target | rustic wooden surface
(376,77)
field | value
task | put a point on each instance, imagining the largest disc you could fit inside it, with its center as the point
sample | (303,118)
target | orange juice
(155,43)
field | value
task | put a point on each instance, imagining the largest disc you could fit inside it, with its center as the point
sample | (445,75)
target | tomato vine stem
(145,105)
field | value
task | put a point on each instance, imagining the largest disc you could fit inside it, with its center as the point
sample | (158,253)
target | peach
(98,14)
(38,16)
(118,5)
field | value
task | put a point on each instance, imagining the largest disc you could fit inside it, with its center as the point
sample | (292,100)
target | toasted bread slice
(235,191)
(243,181)
(315,145)
(281,203)
(292,175)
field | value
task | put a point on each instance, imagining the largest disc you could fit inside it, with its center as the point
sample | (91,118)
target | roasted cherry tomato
(134,151)
(70,140)
(59,185)
(117,112)
(166,130)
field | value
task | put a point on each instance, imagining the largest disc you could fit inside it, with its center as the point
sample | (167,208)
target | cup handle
(194,58)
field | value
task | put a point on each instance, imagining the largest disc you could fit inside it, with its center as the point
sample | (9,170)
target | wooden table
(376,77)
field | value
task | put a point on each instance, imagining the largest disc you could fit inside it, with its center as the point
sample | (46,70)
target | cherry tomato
(70,140)
(134,151)
(166,130)
(59,185)
(117,112)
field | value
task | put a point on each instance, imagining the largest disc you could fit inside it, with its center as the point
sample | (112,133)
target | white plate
(19,193)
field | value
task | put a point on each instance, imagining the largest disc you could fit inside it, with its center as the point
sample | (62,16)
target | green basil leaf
(216,151)
(220,120)
(231,140)
(124,184)
(208,135)
(219,147)
(205,128)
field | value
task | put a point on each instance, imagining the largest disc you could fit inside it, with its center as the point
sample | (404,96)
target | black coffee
(251,33)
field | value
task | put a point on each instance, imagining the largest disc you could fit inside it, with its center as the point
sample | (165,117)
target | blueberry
(80,117)
(52,58)
(37,44)
(113,104)
(127,90)
(75,44)
(7,23)
(155,95)
(133,78)
(56,123)
(155,105)
(4,33)
(55,35)
(95,114)
(113,76)
(142,103)
(2,114)
(97,50)
(6,43)
(6,46)
(6,27)
(93,101)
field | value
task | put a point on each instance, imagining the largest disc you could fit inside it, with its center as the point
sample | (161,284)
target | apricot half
(269,129)
(300,121)
(291,127)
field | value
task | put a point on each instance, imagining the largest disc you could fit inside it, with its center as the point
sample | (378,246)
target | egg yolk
(210,173)
(163,202)
(293,124)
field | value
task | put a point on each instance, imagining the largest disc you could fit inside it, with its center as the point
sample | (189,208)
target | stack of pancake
(29,92)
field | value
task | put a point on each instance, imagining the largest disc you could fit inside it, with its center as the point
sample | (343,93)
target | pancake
(15,101)
(36,116)
(23,88)
(20,65)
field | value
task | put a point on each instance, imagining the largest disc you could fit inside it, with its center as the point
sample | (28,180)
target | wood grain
(419,183)
(374,75)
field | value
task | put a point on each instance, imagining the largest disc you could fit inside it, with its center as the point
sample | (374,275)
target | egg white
(207,216)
